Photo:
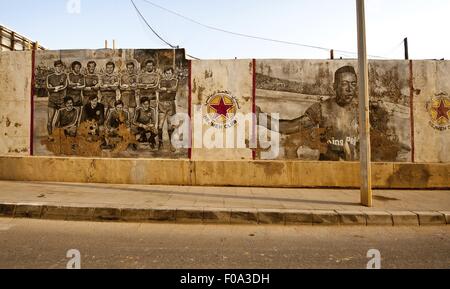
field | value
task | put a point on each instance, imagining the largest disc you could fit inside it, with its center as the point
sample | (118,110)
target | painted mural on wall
(222,109)
(318,108)
(431,110)
(109,103)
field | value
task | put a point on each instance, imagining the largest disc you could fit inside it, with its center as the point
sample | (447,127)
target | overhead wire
(251,36)
(154,31)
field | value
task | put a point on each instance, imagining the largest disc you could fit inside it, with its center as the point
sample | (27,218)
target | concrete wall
(221,173)
(288,87)
(232,78)
(432,95)
(15,99)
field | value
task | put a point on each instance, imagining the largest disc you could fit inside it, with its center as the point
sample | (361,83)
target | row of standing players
(74,99)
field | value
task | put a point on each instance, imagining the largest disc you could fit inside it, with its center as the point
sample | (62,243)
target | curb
(227,216)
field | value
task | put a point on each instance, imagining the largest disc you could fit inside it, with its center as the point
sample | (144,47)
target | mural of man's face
(109,68)
(58,68)
(91,68)
(146,105)
(346,87)
(119,107)
(94,102)
(150,67)
(77,68)
(130,68)
(69,105)
(168,74)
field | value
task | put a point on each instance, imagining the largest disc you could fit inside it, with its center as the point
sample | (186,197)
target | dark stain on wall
(18,151)
(387,85)
(208,74)
(271,169)
(416,175)
(385,144)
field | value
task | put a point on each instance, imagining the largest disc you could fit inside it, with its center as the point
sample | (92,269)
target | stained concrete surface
(138,196)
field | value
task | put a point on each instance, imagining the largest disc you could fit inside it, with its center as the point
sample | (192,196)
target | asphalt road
(44,244)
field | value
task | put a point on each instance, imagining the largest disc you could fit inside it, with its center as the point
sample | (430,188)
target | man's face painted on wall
(94,102)
(168,74)
(146,105)
(150,67)
(130,69)
(58,68)
(110,69)
(77,68)
(69,105)
(91,68)
(346,86)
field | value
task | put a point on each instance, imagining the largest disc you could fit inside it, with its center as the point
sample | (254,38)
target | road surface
(44,244)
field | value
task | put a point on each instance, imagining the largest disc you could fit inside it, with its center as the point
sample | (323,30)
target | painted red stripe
(190,107)
(254,108)
(33,89)
(411,103)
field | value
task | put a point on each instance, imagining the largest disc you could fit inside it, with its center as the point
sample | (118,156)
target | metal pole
(364,124)
(331,54)
(406,48)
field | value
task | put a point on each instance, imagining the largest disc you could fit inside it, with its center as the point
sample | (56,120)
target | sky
(57,24)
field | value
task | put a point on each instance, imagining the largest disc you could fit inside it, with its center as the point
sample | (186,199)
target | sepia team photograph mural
(109,103)
(317,103)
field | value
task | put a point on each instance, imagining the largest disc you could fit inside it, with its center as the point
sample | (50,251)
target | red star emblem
(442,110)
(222,108)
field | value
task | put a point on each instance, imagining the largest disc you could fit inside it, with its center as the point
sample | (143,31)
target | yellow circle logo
(439,110)
(221,110)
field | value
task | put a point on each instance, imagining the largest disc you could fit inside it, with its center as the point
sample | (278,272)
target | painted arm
(76,86)
(102,83)
(82,85)
(122,85)
(174,87)
(152,86)
(116,83)
(287,127)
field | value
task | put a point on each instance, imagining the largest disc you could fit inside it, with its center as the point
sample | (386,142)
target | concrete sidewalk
(96,202)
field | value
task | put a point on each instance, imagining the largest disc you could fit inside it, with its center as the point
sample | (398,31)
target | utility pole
(405,41)
(364,124)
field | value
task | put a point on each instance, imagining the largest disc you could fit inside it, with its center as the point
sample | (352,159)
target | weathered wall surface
(221,89)
(15,94)
(215,173)
(321,124)
(432,110)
